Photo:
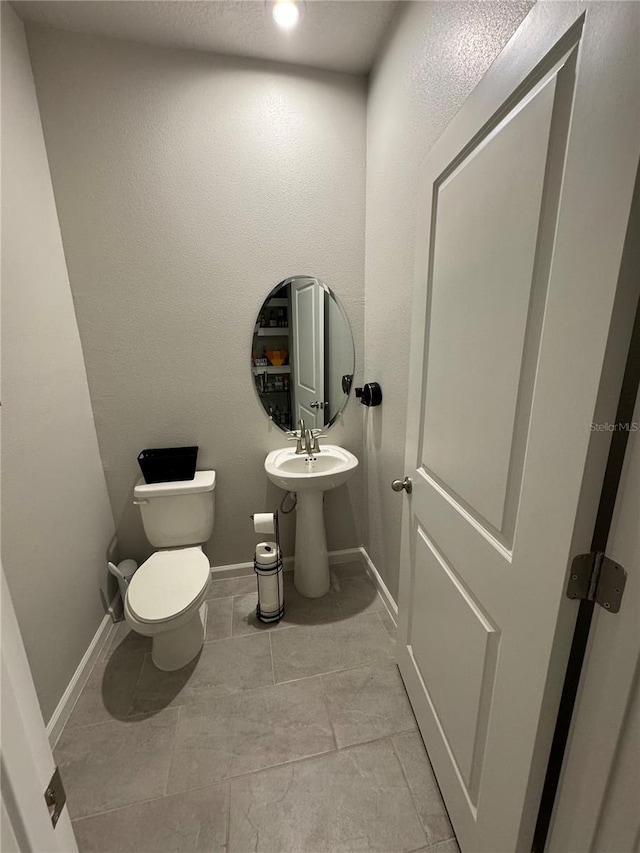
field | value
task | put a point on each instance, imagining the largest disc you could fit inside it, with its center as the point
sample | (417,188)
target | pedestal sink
(309,479)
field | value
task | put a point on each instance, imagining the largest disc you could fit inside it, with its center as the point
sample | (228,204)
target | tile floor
(296,738)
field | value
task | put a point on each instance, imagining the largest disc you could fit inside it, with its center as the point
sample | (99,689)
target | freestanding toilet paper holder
(268,568)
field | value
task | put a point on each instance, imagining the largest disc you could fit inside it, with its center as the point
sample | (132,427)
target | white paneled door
(25,755)
(525,201)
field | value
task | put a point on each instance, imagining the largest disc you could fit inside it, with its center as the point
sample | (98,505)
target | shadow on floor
(127,666)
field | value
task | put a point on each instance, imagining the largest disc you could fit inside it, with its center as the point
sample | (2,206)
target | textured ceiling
(332,34)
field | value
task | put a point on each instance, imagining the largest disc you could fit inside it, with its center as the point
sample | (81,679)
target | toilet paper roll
(270,593)
(266,553)
(263,522)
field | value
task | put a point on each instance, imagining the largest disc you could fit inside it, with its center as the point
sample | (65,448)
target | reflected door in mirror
(302,351)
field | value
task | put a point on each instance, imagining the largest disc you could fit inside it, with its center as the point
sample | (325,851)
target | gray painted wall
(434,56)
(188,186)
(56,519)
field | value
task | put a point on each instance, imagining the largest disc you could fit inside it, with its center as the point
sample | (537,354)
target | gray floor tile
(225,587)
(367,703)
(109,690)
(355,799)
(356,594)
(387,621)
(222,667)
(126,642)
(417,769)
(194,822)
(352,569)
(298,611)
(219,612)
(116,763)
(311,650)
(246,732)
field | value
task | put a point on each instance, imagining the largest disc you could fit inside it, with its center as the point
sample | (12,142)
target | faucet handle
(292,435)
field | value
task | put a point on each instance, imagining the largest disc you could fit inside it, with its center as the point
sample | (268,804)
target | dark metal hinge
(595,577)
(55,796)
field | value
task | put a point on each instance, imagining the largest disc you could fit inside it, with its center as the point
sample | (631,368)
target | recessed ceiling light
(286,14)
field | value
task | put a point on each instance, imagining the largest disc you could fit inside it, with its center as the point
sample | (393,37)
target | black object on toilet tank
(168,464)
(370,394)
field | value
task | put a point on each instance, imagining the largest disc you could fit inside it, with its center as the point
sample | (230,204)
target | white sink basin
(332,467)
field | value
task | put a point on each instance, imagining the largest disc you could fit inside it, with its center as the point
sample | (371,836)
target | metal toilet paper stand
(270,606)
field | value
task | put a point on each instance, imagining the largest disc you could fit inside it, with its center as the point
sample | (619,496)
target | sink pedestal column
(311,573)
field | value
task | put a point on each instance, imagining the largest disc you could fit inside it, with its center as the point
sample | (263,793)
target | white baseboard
(70,696)
(116,608)
(348,555)
(385,595)
(242,570)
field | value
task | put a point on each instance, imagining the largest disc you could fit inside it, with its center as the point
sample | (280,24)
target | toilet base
(172,650)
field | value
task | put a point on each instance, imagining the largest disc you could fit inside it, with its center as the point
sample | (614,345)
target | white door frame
(596,805)
(25,758)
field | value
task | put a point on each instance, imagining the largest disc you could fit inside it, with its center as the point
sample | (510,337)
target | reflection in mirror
(302,354)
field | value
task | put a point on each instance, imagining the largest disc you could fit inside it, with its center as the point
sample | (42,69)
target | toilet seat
(167,584)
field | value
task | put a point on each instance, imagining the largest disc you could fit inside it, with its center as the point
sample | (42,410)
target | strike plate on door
(55,796)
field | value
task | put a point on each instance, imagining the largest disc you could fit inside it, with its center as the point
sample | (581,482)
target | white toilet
(166,597)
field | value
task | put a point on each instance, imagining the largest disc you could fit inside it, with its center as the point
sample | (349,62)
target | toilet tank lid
(203,481)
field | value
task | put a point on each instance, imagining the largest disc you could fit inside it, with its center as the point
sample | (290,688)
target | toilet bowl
(166,599)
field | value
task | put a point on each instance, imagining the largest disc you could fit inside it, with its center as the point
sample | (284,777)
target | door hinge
(55,796)
(595,577)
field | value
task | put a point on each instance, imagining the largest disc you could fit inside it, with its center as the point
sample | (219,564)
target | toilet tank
(178,513)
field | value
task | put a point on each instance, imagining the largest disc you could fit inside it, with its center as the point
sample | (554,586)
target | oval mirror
(302,355)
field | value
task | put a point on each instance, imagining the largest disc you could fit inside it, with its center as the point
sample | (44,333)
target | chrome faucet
(306,440)
(298,437)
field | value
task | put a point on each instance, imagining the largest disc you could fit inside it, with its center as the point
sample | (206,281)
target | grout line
(135,688)
(230,618)
(315,756)
(140,717)
(409,788)
(326,704)
(267,629)
(144,715)
(227,828)
(437,844)
(273,666)
(381,665)
(208,603)
(150,800)
(414,797)
(229,779)
(173,751)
